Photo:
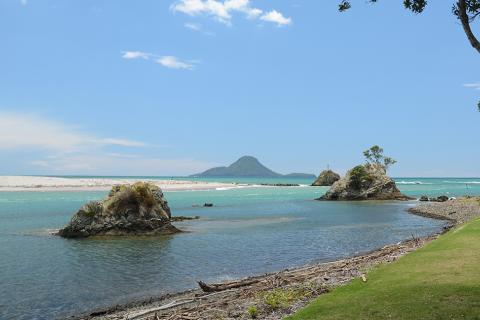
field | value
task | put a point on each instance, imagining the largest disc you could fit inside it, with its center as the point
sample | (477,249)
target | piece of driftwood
(162,307)
(225,286)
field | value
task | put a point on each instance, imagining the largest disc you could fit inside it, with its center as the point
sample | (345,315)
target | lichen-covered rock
(365,182)
(137,209)
(326,178)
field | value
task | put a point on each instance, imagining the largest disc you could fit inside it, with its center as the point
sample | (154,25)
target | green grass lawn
(438,281)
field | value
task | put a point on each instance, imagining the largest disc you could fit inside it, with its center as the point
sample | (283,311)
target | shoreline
(39,184)
(240,294)
(235,297)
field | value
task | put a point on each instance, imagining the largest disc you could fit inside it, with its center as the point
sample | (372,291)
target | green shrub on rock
(92,208)
(359,176)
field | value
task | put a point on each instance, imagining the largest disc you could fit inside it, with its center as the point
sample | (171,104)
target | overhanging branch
(463,16)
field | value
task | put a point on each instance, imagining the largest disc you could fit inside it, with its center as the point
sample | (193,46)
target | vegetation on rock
(368,181)
(374,156)
(359,177)
(137,209)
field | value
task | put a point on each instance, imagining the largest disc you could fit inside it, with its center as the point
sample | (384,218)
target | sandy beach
(38,183)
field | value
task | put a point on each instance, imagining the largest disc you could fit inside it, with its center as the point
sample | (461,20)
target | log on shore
(226,286)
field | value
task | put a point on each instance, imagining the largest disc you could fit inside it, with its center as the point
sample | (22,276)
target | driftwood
(226,286)
(163,307)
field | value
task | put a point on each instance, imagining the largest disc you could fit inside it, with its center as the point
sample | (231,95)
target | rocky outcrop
(137,209)
(365,182)
(326,178)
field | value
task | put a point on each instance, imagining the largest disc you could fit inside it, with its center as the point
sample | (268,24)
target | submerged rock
(365,182)
(326,178)
(137,209)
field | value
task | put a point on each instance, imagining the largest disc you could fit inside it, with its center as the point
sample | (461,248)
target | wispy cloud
(197,28)
(54,147)
(171,62)
(117,164)
(18,131)
(474,85)
(23,2)
(174,63)
(193,26)
(223,11)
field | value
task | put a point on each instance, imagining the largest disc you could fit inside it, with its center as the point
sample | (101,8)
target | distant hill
(248,166)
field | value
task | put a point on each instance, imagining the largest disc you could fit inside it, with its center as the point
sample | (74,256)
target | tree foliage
(374,155)
(465,10)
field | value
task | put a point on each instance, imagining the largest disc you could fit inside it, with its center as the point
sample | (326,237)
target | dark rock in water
(280,184)
(208,205)
(138,209)
(438,199)
(365,182)
(326,178)
(183,218)
(442,199)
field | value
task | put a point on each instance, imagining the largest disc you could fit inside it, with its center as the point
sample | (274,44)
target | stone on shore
(365,182)
(326,178)
(137,209)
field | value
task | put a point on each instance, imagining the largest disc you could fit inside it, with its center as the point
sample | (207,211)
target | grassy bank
(438,281)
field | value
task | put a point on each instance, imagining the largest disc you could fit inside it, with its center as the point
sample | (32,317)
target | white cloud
(20,131)
(475,85)
(171,62)
(135,55)
(276,17)
(23,2)
(222,10)
(174,63)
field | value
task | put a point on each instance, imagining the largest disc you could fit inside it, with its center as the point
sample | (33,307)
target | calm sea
(248,231)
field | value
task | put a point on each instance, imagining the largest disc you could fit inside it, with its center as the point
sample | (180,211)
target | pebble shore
(457,211)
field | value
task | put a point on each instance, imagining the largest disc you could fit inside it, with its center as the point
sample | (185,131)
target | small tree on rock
(375,156)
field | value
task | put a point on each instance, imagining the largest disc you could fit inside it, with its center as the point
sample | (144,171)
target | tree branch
(463,16)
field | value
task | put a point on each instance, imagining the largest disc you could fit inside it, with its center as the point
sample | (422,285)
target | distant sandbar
(37,183)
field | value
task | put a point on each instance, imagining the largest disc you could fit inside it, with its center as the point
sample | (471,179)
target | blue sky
(164,87)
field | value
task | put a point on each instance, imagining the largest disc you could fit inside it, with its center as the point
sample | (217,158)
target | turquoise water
(411,186)
(248,231)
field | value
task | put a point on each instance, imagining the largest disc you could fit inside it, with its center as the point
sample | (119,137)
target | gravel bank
(457,211)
